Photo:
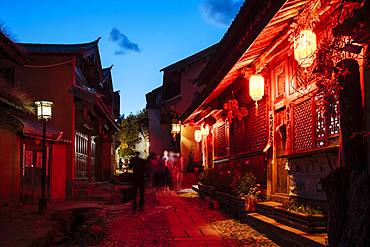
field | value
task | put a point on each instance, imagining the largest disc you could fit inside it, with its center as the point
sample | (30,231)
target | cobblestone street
(177,219)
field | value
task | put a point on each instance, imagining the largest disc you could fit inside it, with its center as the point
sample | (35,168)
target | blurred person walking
(140,169)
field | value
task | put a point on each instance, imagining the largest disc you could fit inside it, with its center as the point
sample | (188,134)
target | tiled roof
(11,50)
(107,71)
(192,58)
(253,30)
(59,48)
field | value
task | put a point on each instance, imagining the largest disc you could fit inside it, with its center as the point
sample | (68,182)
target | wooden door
(31,172)
(280,147)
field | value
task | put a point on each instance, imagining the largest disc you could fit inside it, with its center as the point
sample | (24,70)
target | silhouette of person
(138,179)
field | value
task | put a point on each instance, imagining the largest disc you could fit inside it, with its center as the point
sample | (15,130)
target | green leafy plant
(246,187)
(232,179)
(254,193)
(298,207)
(128,135)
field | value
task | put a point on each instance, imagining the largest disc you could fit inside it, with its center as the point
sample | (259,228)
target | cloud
(123,42)
(220,12)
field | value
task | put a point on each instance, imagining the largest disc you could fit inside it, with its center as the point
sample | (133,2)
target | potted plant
(252,198)
(248,190)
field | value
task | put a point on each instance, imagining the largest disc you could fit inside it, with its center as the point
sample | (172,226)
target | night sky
(138,37)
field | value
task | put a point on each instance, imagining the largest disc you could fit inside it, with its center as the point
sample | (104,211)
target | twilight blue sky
(139,37)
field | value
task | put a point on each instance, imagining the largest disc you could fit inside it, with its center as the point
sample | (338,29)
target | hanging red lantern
(244,111)
(234,103)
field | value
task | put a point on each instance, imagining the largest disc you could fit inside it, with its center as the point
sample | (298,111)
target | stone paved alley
(177,219)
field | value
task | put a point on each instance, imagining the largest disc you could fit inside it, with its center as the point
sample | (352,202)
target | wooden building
(166,103)
(21,135)
(288,135)
(85,106)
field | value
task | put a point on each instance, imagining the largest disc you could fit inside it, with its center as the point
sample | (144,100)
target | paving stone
(177,219)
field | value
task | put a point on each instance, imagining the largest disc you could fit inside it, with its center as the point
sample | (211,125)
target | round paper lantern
(256,87)
(305,47)
(197,135)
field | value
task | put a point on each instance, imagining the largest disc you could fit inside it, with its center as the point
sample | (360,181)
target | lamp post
(176,128)
(43,114)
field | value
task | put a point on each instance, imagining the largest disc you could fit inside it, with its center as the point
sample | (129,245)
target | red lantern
(244,111)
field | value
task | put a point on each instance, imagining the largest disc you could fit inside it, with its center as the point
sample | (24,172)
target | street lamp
(176,128)
(44,114)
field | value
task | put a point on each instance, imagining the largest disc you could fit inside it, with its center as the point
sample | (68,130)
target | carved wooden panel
(220,141)
(251,133)
(303,124)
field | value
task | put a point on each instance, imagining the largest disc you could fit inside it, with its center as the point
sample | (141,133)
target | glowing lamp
(176,128)
(256,87)
(44,109)
(305,47)
(197,135)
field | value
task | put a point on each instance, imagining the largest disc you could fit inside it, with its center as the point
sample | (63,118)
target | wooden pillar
(352,154)
(351,116)
(367,105)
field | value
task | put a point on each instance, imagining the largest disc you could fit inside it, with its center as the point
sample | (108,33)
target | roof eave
(233,45)
(190,58)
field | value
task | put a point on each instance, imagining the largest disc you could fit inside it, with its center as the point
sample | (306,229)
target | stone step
(282,234)
(267,208)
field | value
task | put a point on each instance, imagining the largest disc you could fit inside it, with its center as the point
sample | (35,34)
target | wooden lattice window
(327,119)
(334,125)
(280,77)
(238,137)
(257,126)
(93,155)
(321,128)
(303,126)
(220,141)
(250,134)
(81,148)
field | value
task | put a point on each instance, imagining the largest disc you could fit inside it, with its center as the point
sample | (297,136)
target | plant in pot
(248,190)
(253,196)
